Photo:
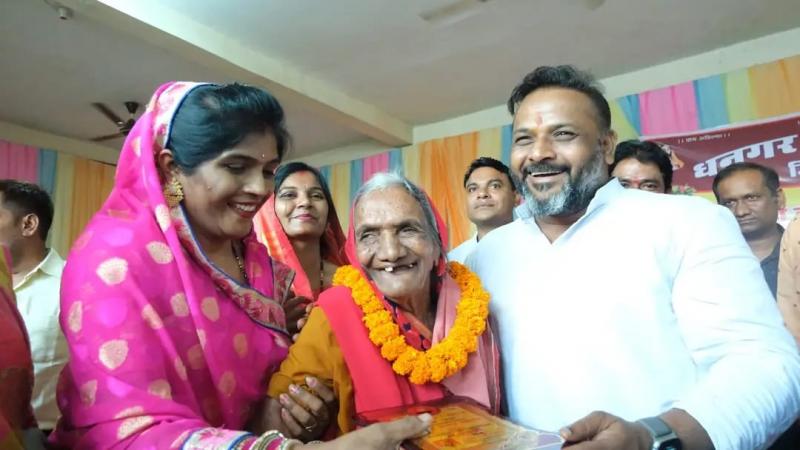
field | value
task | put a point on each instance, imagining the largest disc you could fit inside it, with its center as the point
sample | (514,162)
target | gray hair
(386,180)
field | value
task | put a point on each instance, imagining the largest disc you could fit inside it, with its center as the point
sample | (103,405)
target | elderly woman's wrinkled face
(394,245)
(301,206)
(223,194)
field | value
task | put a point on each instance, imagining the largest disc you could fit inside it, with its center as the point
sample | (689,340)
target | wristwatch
(663,436)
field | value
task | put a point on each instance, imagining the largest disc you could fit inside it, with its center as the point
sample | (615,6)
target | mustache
(543,168)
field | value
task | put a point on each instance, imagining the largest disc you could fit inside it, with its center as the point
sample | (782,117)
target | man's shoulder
(650,204)
(462,251)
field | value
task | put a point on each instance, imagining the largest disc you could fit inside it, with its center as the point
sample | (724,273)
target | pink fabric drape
(373,165)
(19,162)
(669,110)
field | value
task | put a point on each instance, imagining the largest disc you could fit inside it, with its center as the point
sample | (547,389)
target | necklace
(239,263)
(443,359)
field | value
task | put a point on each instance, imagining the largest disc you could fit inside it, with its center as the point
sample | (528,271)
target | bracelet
(266,440)
(289,444)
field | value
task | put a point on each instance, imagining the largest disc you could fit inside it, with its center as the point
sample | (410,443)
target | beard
(574,195)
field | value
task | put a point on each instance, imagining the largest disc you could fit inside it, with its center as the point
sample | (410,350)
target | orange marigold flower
(446,357)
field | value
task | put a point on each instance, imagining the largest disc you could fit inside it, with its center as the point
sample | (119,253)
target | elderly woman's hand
(298,413)
(380,436)
(307,414)
(296,310)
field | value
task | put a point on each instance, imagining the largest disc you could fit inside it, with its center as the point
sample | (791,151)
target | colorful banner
(699,156)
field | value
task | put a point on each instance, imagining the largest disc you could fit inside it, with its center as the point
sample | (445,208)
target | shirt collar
(51,265)
(776,251)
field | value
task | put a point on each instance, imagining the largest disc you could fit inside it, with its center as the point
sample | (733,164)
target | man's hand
(602,431)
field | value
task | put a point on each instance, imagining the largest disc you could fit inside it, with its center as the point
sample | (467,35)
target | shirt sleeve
(788,277)
(749,388)
(316,353)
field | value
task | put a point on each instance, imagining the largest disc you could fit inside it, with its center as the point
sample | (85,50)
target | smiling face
(301,206)
(560,151)
(394,245)
(223,194)
(490,197)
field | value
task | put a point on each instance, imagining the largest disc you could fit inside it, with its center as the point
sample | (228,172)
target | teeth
(410,266)
(245,208)
(389,269)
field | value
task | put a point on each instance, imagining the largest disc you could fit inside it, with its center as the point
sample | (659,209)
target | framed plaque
(461,423)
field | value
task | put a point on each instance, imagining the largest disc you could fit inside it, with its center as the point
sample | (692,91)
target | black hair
(646,152)
(215,118)
(287,169)
(26,198)
(567,77)
(769,176)
(485,161)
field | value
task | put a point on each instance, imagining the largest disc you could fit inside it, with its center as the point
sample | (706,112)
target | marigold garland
(445,358)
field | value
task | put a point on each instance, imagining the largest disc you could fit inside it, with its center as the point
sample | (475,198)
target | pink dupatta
(167,351)
(375,384)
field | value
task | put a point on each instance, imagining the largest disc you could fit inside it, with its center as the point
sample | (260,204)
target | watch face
(671,444)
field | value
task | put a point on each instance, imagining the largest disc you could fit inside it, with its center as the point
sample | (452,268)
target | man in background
(26,213)
(491,197)
(642,165)
(753,194)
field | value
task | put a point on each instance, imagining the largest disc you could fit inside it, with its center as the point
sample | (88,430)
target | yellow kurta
(316,353)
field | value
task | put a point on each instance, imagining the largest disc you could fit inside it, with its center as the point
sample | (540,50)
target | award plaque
(461,423)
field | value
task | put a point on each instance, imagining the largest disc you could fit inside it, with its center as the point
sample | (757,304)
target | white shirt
(461,252)
(648,302)
(38,302)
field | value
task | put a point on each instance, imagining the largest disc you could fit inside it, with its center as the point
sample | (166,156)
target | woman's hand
(380,436)
(296,310)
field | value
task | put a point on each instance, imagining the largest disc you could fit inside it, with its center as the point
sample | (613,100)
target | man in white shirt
(648,309)
(26,213)
(491,197)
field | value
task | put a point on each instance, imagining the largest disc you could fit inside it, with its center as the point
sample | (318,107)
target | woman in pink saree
(171,308)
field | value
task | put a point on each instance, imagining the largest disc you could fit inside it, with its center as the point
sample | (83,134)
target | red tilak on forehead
(538,119)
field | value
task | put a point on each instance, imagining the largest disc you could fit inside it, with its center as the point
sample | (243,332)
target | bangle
(289,444)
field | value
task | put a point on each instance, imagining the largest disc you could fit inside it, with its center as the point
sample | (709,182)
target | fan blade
(107,137)
(104,110)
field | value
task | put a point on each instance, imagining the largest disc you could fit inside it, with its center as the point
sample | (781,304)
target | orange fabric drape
(776,87)
(442,166)
(92,182)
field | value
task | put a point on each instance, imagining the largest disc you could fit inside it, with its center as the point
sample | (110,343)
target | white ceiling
(379,52)
(52,70)
(383,52)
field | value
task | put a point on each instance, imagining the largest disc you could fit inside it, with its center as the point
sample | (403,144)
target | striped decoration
(77,192)
(758,92)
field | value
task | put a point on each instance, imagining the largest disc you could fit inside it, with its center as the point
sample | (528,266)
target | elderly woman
(171,308)
(400,326)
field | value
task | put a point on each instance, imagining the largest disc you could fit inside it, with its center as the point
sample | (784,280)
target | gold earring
(173,193)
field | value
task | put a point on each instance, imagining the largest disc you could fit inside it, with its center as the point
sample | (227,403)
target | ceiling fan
(124,126)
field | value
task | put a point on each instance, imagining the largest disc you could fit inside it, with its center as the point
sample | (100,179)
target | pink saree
(167,351)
